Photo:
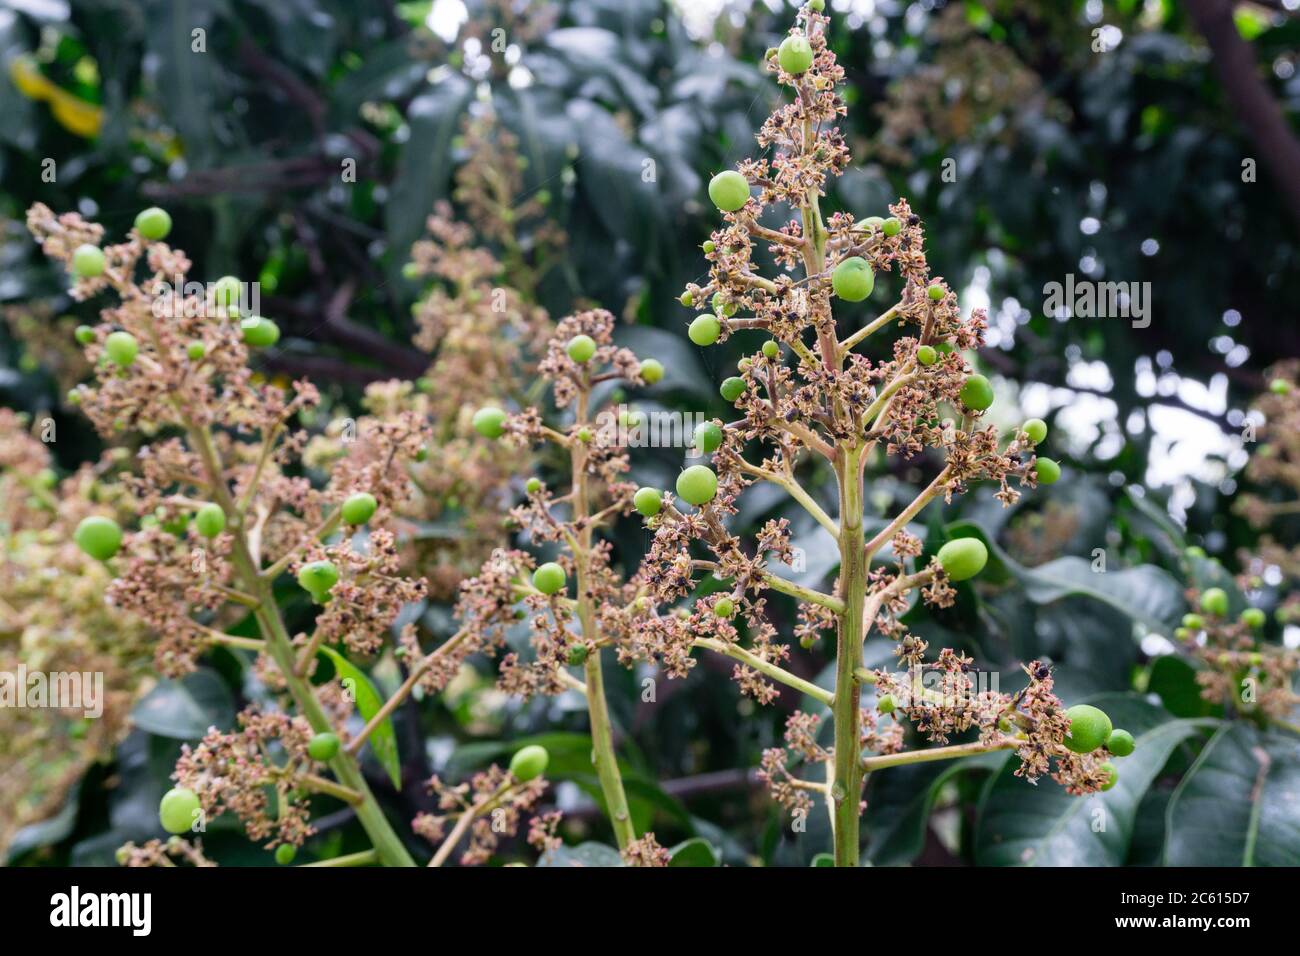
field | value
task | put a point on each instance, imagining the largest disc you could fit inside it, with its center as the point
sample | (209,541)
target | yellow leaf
(72,113)
(76,115)
(28,78)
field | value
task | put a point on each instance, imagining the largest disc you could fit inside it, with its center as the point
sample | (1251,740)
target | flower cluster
(480,321)
(801,747)
(226,508)
(974,89)
(226,512)
(490,806)
(645,852)
(607,610)
(829,403)
(1240,668)
(53,619)
(1274,469)
(163,853)
(368,596)
(808,395)
(232,772)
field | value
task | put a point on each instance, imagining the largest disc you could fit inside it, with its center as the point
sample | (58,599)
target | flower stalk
(387,845)
(832,402)
(602,732)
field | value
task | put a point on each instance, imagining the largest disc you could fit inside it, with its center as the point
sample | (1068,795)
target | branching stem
(778,674)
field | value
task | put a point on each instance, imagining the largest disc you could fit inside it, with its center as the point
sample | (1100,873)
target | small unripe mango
(317,577)
(529,763)
(853,279)
(490,422)
(704,329)
(581,348)
(1120,743)
(177,808)
(323,746)
(977,393)
(697,485)
(1089,728)
(1048,471)
(648,501)
(795,54)
(358,508)
(1215,601)
(963,558)
(210,520)
(652,370)
(549,578)
(729,190)
(98,537)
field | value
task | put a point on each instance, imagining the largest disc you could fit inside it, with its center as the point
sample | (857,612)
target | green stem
(230,640)
(464,822)
(323,530)
(882,761)
(602,735)
(802,593)
(796,491)
(932,491)
(417,671)
(885,318)
(846,779)
(845,773)
(387,843)
(878,406)
(364,858)
(779,674)
(602,742)
(318,784)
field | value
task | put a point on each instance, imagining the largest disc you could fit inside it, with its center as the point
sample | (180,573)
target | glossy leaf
(1147,594)
(1173,680)
(1239,805)
(900,801)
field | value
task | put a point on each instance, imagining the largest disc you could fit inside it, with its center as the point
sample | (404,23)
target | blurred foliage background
(306,143)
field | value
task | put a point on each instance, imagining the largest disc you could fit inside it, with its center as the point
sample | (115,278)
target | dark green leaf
(693,852)
(425,168)
(1239,805)
(1173,680)
(48,831)
(1146,594)
(186,708)
(900,801)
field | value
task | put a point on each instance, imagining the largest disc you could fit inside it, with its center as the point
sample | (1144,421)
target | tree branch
(1258,112)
